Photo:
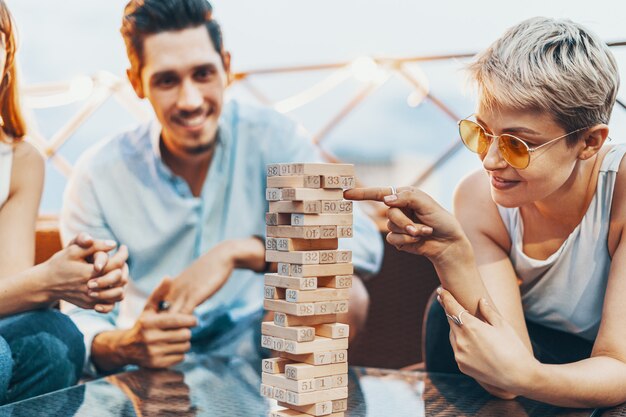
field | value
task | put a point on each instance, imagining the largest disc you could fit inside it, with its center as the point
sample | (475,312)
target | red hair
(10,109)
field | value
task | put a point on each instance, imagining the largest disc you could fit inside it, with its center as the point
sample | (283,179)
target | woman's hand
(417,224)
(71,277)
(489,351)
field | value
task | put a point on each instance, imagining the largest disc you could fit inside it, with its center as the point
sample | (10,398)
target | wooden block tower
(307,217)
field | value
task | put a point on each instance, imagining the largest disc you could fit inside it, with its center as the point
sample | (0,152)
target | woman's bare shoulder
(28,167)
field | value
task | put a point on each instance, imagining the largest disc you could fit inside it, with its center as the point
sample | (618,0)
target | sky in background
(63,39)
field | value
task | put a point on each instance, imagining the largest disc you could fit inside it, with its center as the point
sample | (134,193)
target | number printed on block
(344,231)
(338,281)
(272,170)
(273,194)
(338,181)
(267,391)
(336,207)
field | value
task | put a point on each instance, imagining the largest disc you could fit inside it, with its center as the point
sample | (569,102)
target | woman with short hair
(534,269)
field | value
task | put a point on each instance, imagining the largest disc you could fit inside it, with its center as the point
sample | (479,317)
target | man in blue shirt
(186,194)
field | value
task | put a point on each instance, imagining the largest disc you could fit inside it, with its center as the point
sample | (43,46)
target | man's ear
(226,62)
(135,81)
(593,140)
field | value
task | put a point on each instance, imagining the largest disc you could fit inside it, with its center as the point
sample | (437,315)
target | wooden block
(333,330)
(314,397)
(336,408)
(328,257)
(295,181)
(292,412)
(287,320)
(344,231)
(317,345)
(332,206)
(335,256)
(273,194)
(325,382)
(326,232)
(295,309)
(270,243)
(313,232)
(275,365)
(309,206)
(322,294)
(306,371)
(295,333)
(277,219)
(303,194)
(344,256)
(322,270)
(283,281)
(280,394)
(321,169)
(286,244)
(328,382)
(337,181)
(282,169)
(319,358)
(340,405)
(337,281)
(274,343)
(284,268)
(323,408)
(296,257)
(298,219)
(273,293)
(331,307)
(272,170)
(267,390)
(280,381)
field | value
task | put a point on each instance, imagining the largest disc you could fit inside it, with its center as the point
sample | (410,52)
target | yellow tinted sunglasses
(514,150)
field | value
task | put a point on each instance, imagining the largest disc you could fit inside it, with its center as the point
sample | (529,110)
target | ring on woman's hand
(458,319)
(393,189)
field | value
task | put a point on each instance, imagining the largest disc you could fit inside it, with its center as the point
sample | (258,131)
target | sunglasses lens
(473,136)
(514,151)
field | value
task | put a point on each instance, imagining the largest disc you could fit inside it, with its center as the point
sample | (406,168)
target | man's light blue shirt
(122,190)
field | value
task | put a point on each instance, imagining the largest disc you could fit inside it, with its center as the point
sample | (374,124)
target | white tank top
(6,163)
(566,291)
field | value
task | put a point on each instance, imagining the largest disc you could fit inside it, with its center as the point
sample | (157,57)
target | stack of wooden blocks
(307,216)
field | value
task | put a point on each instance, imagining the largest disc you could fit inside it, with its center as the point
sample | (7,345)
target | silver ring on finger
(458,319)
(393,190)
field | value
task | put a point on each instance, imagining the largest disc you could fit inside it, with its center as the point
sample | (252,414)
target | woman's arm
(481,222)
(25,287)
(599,381)
(19,213)
(17,234)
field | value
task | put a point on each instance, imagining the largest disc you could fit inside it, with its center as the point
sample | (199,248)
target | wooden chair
(398,296)
(47,238)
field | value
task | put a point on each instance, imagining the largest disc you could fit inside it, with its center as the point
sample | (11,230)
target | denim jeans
(40,351)
(549,345)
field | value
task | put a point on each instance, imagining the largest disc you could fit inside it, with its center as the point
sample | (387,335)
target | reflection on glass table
(229,386)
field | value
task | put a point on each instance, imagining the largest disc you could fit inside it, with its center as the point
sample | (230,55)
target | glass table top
(229,386)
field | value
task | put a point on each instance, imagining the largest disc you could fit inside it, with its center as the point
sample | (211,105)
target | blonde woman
(533,267)
(40,349)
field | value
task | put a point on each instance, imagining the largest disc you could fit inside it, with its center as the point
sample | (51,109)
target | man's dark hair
(149,17)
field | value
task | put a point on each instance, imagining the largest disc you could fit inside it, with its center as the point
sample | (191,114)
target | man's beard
(200,149)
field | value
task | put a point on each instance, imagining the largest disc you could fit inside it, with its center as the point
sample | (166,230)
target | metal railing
(373,72)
